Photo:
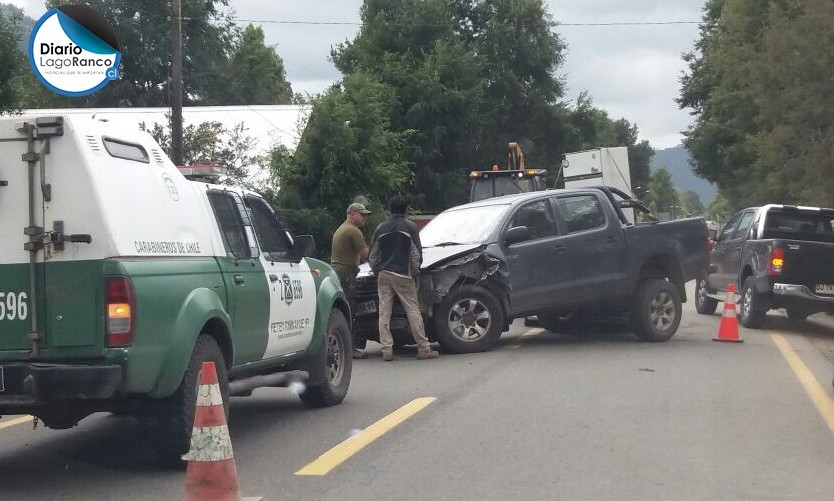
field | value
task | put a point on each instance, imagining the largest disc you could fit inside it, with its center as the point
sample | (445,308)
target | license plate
(366,308)
(827,289)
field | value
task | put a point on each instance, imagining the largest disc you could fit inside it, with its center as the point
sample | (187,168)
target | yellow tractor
(516,178)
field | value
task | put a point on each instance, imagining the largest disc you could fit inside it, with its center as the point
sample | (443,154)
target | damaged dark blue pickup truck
(557,254)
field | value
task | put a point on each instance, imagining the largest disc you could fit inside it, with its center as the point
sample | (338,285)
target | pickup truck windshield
(472,225)
(799,225)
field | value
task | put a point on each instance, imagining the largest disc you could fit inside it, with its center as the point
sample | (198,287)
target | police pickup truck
(557,254)
(777,256)
(119,277)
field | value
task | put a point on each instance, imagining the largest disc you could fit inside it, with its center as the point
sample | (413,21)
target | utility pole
(176,83)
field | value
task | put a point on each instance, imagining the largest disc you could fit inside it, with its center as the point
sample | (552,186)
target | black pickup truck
(550,253)
(776,256)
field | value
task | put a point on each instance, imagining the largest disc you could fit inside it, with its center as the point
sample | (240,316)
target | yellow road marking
(12,422)
(342,452)
(815,390)
(532,332)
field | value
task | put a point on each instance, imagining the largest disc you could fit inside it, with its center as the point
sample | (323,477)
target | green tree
(256,72)
(11,63)
(662,196)
(470,76)
(348,150)
(758,85)
(214,143)
(720,209)
(691,204)
(792,85)
(144,30)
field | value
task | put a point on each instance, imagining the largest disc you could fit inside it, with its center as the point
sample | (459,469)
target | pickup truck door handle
(560,249)
(738,249)
(273,277)
(611,240)
(239,280)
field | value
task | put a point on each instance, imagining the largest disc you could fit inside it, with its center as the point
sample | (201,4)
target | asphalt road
(547,416)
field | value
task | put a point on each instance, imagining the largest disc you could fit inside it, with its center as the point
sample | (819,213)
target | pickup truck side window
(233,227)
(730,228)
(581,213)
(538,219)
(744,225)
(273,240)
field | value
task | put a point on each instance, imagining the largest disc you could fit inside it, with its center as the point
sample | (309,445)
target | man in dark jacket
(395,257)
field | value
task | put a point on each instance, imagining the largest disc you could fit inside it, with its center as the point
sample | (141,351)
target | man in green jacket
(348,252)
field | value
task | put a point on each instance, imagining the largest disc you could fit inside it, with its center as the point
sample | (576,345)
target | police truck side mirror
(305,246)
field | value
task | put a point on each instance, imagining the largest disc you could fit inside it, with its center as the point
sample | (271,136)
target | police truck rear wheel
(174,417)
(331,366)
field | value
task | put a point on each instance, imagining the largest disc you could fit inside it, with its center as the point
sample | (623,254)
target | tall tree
(348,150)
(215,143)
(691,204)
(144,32)
(662,196)
(792,85)
(470,76)
(256,72)
(758,85)
(11,62)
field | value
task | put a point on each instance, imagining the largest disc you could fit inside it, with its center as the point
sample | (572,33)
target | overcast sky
(630,71)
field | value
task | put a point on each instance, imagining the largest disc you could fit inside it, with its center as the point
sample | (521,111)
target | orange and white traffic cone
(212,475)
(728,329)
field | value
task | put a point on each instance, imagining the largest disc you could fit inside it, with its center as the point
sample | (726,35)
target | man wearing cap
(348,252)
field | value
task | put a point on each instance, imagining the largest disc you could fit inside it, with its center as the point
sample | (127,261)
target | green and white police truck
(119,277)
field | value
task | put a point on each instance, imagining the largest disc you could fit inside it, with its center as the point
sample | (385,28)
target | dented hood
(432,256)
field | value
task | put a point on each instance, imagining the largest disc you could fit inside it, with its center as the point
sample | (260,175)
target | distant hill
(19,20)
(676,161)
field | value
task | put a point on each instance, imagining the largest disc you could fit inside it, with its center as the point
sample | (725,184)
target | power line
(344,23)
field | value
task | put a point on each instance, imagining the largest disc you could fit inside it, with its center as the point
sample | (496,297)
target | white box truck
(599,167)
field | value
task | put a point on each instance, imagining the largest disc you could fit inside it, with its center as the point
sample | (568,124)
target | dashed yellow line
(342,452)
(12,422)
(532,332)
(815,390)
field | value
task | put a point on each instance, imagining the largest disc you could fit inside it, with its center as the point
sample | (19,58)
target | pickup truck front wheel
(331,366)
(753,310)
(704,304)
(468,320)
(656,310)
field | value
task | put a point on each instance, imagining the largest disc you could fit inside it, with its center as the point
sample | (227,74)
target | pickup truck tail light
(121,311)
(777,261)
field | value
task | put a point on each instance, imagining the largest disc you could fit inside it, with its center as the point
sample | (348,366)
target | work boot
(387,356)
(359,354)
(426,353)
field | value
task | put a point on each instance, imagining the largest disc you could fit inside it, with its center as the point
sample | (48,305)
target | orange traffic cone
(212,475)
(728,329)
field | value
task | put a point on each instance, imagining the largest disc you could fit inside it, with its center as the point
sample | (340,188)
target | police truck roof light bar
(209,173)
